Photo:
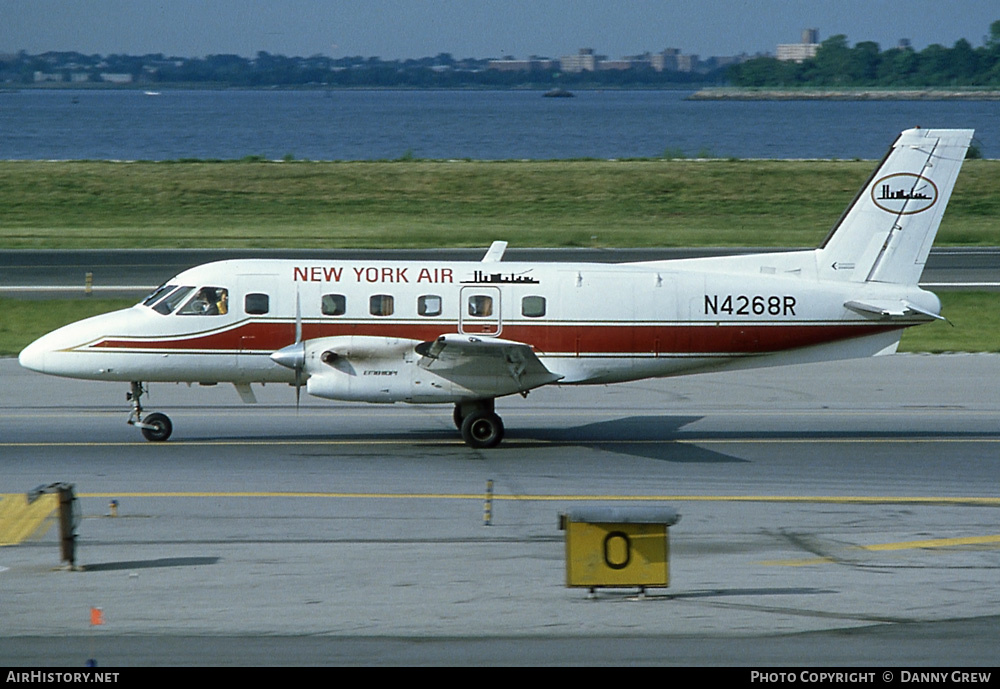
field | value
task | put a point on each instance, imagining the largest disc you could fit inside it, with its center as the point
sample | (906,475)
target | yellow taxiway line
(19,520)
(924,544)
(841,499)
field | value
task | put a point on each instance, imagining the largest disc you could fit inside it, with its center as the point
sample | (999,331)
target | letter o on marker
(617,550)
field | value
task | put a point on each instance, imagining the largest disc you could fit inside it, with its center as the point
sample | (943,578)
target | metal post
(68,518)
(488,506)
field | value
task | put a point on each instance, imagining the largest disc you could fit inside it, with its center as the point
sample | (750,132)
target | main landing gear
(480,426)
(155,427)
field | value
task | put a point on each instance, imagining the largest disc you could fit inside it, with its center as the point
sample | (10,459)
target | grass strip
(431,204)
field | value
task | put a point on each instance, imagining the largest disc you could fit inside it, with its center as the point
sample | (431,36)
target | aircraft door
(479,313)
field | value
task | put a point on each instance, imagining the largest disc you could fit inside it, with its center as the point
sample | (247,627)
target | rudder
(887,232)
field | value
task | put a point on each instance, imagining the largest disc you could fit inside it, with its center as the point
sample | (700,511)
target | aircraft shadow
(648,437)
(150,564)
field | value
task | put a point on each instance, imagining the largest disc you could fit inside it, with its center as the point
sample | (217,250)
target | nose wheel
(155,427)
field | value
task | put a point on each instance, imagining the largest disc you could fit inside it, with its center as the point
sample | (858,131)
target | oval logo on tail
(904,193)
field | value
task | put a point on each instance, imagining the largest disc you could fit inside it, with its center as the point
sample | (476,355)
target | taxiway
(832,514)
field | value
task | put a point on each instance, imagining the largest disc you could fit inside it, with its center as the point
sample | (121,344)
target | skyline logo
(904,193)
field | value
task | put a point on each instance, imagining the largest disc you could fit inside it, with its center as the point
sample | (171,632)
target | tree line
(836,64)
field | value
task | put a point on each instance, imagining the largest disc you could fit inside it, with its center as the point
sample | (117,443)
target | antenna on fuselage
(495,253)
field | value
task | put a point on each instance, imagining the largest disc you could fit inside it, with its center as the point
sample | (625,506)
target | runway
(833,514)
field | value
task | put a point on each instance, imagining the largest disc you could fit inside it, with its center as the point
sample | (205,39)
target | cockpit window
(207,301)
(157,294)
(170,303)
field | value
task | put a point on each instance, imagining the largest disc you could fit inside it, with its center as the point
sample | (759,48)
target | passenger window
(533,307)
(208,301)
(380,305)
(429,305)
(256,304)
(480,305)
(334,304)
(170,303)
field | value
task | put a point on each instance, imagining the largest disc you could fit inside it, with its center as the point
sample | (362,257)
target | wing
(487,366)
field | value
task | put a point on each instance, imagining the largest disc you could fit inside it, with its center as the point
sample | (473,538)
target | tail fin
(886,234)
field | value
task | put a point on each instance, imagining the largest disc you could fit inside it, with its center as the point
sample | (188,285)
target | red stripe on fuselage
(687,338)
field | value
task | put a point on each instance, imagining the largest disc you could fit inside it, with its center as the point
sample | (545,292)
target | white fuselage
(587,323)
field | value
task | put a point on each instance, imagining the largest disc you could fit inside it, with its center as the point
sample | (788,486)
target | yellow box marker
(618,547)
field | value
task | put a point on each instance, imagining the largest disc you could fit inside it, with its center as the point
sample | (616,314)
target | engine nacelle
(373,369)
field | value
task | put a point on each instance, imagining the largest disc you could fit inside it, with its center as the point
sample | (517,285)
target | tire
(482,429)
(158,428)
(485,405)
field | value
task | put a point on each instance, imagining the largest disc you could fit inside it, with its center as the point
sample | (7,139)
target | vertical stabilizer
(886,234)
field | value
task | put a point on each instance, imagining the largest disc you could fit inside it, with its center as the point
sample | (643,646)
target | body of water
(489,125)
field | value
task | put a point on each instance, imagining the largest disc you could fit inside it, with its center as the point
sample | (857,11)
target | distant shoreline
(223,86)
(715,94)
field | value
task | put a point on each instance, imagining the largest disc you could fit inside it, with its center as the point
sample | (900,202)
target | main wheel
(157,427)
(482,429)
(485,405)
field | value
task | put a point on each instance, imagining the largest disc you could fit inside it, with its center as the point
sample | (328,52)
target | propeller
(294,355)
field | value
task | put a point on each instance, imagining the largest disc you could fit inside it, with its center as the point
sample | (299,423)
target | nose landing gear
(155,427)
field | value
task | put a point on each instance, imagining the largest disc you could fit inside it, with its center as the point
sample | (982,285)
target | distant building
(533,64)
(617,65)
(687,63)
(584,61)
(113,78)
(799,52)
(665,61)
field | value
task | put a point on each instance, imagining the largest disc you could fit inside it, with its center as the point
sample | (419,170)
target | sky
(400,29)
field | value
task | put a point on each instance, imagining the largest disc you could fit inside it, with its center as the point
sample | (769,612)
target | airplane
(466,333)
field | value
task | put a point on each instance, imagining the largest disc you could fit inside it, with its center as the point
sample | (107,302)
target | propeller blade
(294,357)
(298,341)
(298,318)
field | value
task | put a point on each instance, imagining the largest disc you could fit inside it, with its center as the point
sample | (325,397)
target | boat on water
(558,93)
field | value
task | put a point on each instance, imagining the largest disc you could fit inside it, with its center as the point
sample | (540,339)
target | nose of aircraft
(55,353)
(32,357)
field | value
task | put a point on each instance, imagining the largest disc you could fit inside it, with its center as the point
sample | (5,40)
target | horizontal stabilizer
(897,309)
